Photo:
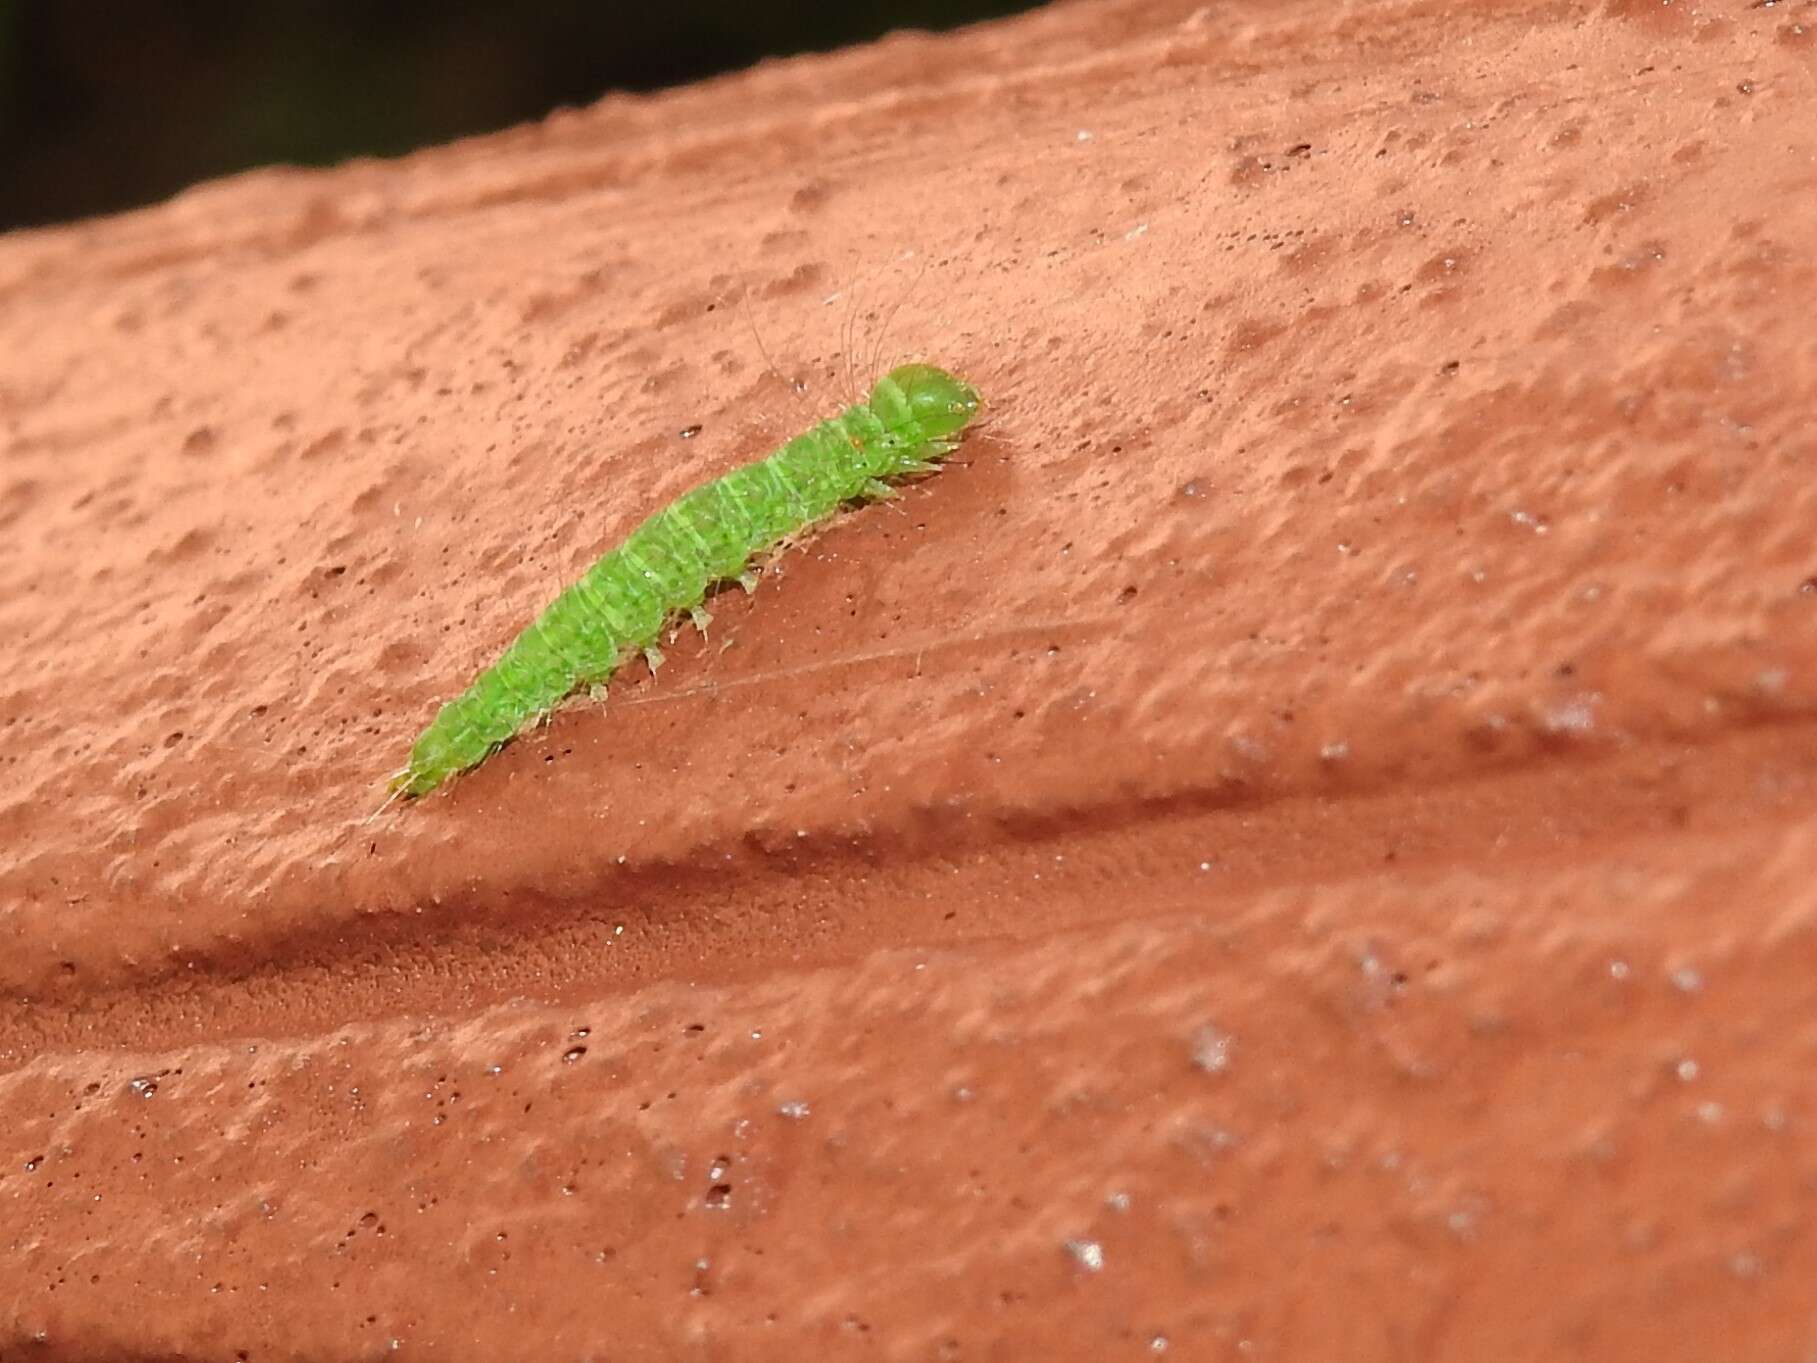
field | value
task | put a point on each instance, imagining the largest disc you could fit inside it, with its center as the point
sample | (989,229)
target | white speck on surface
(1158,1345)
(794,1109)
(1619,970)
(1576,716)
(1537,524)
(1117,1202)
(1687,980)
(1248,748)
(1083,135)
(1088,1253)
(1710,1114)
(1211,1049)
(1687,1070)
(1140,229)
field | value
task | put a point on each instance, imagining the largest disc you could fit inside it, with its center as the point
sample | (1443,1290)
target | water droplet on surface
(573,1054)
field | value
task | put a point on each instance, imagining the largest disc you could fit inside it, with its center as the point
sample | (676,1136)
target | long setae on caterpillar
(665,568)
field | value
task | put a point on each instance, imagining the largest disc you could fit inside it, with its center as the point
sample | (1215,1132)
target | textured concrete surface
(1334,767)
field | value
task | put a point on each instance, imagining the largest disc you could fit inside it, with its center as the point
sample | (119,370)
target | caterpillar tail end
(394,792)
(407,783)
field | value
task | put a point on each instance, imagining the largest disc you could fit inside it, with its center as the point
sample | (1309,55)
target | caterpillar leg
(879,491)
(748,580)
(653,656)
(701,617)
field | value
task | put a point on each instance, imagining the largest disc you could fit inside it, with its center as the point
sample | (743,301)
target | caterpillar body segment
(622,606)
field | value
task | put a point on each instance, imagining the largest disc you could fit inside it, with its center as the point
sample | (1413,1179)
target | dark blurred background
(105,104)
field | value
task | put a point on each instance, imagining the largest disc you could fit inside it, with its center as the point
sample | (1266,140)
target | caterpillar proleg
(665,567)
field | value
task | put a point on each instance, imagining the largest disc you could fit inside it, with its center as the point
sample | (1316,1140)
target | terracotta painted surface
(1302,846)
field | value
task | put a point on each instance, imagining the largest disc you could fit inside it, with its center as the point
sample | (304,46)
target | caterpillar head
(930,401)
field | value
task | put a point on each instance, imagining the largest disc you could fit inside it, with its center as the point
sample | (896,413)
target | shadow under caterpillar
(665,567)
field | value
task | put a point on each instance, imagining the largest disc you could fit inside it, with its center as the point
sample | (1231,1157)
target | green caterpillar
(668,564)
